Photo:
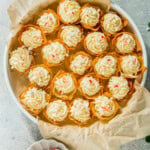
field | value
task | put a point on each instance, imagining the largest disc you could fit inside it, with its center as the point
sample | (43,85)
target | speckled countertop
(16,131)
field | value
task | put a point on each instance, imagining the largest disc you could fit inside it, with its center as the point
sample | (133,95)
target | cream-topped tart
(56,111)
(80,62)
(130,65)
(80,111)
(112,23)
(20,59)
(118,87)
(125,43)
(71,35)
(69,11)
(54,53)
(105,66)
(95,43)
(48,21)
(39,75)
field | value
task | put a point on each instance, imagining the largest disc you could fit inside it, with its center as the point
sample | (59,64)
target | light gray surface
(16,131)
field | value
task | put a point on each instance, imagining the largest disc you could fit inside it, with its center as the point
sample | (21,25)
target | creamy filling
(20,59)
(96,42)
(80,110)
(106,66)
(57,110)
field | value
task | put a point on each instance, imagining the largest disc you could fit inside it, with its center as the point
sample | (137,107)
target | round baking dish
(114,7)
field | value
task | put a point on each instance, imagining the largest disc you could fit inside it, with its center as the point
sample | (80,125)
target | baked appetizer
(71,35)
(20,59)
(34,100)
(80,62)
(54,53)
(104,107)
(80,111)
(32,37)
(131,66)
(56,111)
(90,17)
(48,21)
(120,87)
(125,43)
(112,23)
(64,85)
(69,11)
(106,65)
(95,43)
(90,86)
(40,75)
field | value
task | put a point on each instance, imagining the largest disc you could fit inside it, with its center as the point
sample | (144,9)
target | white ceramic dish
(113,7)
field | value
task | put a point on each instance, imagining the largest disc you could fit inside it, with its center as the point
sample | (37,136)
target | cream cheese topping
(69,11)
(90,16)
(57,110)
(125,43)
(20,59)
(40,76)
(54,53)
(96,42)
(32,38)
(112,23)
(80,110)
(106,66)
(118,87)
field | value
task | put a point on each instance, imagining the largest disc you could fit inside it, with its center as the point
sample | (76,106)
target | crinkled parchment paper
(132,123)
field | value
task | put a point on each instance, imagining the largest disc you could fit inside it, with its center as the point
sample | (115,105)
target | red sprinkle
(87,15)
(60,91)
(90,81)
(108,59)
(50,18)
(53,55)
(45,24)
(116,86)
(102,37)
(72,12)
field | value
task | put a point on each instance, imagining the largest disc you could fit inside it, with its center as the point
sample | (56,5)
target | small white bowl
(113,7)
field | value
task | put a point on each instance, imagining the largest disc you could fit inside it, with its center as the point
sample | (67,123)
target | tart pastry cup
(101,56)
(50,73)
(84,94)
(141,70)
(51,120)
(69,96)
(59,35)
(85,47)
(105,118)
(52,64)
(25,27)
(76,121)
(53,12)
(95,28)
(32,111)
(124,22)
(72,57)
(114,42)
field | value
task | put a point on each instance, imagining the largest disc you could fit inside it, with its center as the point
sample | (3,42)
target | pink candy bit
(90,81)
(102,37)
(60,91)
(116,86)
(108,59)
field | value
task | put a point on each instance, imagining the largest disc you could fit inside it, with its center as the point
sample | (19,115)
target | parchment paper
(132,123)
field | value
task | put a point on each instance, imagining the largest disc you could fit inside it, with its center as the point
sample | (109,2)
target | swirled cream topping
(118,87)
(80,63)
(39,76)
(64,84)
(130,65)
(112,23)
(20,59)
(90,16)
(34,98)
(104,106)
(32,38)
(90,85)
(71,35)
(48,22)
(106,66)
(54,53)
(57,110)
(69,11)
(96,42)
(80,110)
(125,43)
